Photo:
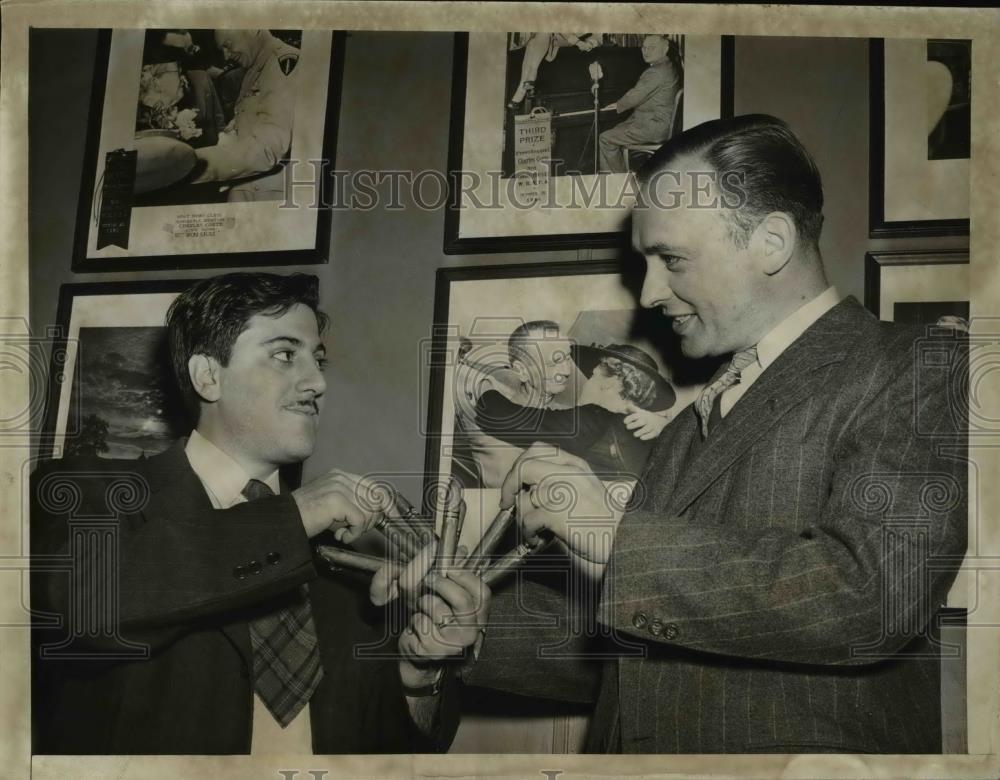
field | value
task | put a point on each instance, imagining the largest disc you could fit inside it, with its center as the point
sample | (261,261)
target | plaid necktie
(730,376)
(286,662)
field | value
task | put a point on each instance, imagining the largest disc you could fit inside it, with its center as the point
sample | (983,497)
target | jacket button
(255,567)
(639,620)
(656,627)
(273,558)
(240,572)
(670,631)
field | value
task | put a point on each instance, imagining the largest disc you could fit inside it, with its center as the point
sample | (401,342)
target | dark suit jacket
(781,578)
(182,604)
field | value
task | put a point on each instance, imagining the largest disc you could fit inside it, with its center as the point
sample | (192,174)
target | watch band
(431,689)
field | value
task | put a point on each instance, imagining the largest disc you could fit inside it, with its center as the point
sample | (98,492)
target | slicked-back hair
(522,344)
(207,318)
(761,166)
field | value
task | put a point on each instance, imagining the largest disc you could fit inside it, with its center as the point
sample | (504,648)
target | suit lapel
(664,467)
(174,486)
(794,377)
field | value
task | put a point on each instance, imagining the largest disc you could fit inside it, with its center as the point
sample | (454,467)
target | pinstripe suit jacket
(780,579)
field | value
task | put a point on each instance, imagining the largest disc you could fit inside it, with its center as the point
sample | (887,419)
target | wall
(379,284)
(820,87)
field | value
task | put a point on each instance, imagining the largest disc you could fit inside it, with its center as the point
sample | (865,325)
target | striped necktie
(286,661)
(730,376)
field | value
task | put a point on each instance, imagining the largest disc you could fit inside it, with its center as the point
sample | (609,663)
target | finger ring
(380,523)
(447,620)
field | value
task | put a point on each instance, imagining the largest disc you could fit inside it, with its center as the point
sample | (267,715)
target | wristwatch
(431,689)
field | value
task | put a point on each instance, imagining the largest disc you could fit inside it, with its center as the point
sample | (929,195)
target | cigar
(509,562)
(399,534)
(450,521)
(423,527)
(408,516)
(479,557)
(340,558)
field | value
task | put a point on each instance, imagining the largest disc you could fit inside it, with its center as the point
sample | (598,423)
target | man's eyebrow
(292,341)
(283,339)
(659,249)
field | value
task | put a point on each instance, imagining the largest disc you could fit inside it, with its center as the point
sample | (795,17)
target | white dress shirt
(224,480)
(777,341)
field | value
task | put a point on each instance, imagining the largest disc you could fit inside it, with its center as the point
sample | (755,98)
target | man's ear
(204,373)
(521,370)
(775,237)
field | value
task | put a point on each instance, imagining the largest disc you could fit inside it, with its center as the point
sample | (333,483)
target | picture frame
(481,155)
(110,392)
(142,205)
(917,286)
(919,186)
(587,304)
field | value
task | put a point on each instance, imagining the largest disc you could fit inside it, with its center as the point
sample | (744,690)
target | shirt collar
(222,476)
(794,325)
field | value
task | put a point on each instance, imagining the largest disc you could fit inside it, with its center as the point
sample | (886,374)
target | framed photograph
(920,137)
(545,128)
(111,391)
(917,287)
(542,352)
(194,138)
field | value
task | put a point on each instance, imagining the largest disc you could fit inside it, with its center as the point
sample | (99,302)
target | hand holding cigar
(339,557)
(479,558)
(546,489)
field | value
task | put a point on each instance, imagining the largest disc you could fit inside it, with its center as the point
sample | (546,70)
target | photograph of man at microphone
(603,95)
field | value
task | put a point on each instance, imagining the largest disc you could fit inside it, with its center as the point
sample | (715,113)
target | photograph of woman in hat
(621,380)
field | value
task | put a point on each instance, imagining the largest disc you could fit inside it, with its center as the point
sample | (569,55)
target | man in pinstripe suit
(776,578)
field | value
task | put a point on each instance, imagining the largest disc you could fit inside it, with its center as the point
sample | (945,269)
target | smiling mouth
(681,321)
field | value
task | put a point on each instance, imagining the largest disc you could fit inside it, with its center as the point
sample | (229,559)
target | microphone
(596,74)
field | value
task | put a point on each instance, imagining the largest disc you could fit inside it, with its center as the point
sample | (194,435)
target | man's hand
(646,425)
(343,501)
(389,583)
(450,617)
(450,611)
(559,492)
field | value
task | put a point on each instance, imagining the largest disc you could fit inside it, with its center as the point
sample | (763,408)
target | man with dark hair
(777,579)
(201,621)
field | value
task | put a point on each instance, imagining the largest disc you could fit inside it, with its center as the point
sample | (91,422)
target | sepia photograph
(920,130)
(602,97)
(918,287)
(661,443)
(532,365)
(544,122)
(950,100)
(111,395)
(190,139)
